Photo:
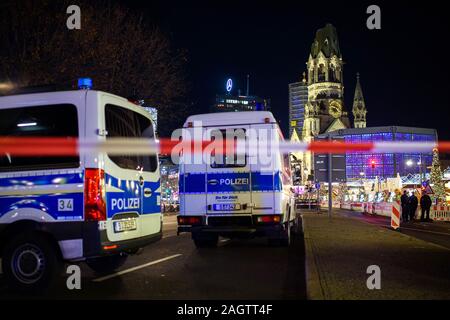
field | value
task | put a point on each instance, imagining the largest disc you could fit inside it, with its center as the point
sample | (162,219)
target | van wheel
(297,229)
(202,241)
(106,264)
(285,238)
(31,263)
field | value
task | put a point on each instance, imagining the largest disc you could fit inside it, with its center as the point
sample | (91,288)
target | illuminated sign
(233,101)
(229,85)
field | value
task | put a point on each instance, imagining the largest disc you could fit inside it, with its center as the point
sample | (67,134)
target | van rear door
(192,179)
(228,181)
(264,175)
(132,181)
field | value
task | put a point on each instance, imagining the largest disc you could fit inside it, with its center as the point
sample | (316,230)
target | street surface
(174,269)
(412,263)
(437,232)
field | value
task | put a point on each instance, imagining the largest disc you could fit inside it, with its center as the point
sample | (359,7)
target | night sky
(404,68)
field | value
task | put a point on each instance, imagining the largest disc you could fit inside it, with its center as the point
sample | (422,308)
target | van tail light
(94,195)
(189,220)
(268,219)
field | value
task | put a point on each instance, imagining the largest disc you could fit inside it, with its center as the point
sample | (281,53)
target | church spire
(359,106)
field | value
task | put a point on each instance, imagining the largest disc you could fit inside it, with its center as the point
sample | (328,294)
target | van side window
(57,120)
(221,160)
(125,123)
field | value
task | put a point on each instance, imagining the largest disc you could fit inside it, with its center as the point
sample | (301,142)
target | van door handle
(147,192)
(213,181)
(141,180)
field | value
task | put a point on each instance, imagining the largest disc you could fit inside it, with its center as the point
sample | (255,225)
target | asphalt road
(174,269)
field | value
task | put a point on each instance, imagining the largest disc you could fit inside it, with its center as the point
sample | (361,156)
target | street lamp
(362,174)
(419,163)
(6,86)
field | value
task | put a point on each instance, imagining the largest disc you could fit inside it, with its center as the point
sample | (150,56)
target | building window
(321,73)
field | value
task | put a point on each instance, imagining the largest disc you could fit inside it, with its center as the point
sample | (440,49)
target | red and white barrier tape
(47,146)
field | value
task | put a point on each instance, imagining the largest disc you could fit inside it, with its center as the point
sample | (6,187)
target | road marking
(136,268)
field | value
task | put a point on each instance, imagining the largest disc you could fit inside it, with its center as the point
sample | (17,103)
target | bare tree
(116,47)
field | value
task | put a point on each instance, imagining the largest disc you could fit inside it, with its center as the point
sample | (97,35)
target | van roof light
(84,83)
(266,120)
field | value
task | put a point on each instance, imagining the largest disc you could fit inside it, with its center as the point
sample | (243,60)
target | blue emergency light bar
(85,83)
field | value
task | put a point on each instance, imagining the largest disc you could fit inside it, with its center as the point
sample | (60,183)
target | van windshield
(125,123)
(57,120)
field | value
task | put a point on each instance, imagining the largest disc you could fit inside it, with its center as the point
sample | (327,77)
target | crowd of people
(410,203)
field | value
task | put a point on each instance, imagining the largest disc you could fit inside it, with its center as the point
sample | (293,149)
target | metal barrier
(437,213)
(309,205)
(357,206)
(440,213)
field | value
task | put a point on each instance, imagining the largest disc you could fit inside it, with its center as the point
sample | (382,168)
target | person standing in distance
(412,204)
(404,202)
(425,205)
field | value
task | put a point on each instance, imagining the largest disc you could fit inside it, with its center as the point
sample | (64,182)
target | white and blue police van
(238,198)
(96,208)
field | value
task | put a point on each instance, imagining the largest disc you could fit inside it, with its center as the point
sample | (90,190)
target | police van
(239,198)
(96,208)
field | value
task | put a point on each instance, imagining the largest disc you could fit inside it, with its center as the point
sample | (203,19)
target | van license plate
(125,225)
(227,207)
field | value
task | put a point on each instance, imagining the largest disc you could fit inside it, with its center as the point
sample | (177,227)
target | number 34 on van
(124,203)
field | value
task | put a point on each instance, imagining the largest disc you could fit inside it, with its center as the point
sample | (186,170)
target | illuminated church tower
(359,106)
(324,111)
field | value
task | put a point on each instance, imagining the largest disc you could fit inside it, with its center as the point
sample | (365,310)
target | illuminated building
(169,183)
(298,96)
(385,165)
(229,102)
(226,103)
(359,106)
(324,110)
